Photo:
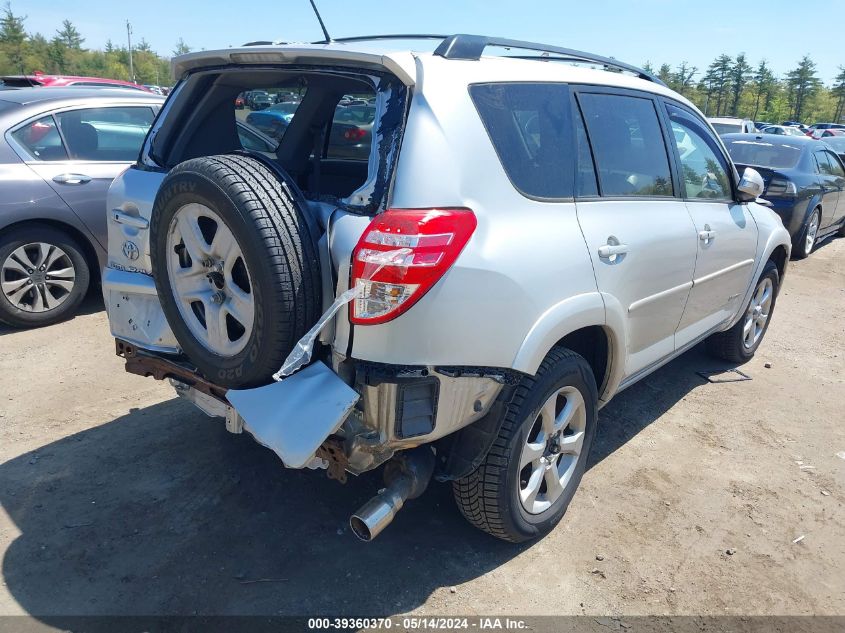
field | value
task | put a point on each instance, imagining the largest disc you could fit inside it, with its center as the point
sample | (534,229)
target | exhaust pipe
(406,477)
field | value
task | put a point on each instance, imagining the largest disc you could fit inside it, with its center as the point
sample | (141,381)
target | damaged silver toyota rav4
(439,263)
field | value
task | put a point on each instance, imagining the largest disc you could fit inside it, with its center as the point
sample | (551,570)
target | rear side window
(41,139)
(529,125)
(627,144)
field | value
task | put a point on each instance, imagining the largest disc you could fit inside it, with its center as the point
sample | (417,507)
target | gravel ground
(700,498)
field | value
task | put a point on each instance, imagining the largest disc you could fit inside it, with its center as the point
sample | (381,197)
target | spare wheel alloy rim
(37,277)
(210,280)
(552,450)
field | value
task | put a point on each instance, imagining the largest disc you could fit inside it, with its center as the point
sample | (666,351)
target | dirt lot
(118,499)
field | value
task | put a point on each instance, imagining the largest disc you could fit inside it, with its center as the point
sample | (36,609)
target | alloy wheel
(37,277)
(758,313)
(210,280)
(812,232)
(552,450)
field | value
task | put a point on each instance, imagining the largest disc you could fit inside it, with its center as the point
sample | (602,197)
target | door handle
(607,251)
(72,179)
(707,235)
(136,222)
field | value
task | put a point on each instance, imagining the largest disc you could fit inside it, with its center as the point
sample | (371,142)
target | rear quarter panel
(508,298)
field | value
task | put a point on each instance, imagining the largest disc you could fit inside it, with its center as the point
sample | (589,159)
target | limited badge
(130,250)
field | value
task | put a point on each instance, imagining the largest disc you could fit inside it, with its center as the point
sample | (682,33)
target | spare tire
(236,266)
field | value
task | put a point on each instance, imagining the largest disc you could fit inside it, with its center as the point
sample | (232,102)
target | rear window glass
(780,155)
(529,126)
(727,128)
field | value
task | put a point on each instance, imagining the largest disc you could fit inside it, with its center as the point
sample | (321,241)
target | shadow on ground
(93,302)
(162,512)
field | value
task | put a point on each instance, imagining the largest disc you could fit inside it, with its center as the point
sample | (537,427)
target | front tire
(739,343)
(528,478)
(43,276)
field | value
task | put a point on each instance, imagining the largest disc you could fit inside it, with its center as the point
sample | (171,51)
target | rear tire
(30,296)
(235,265)
(739,343)
(497,496)
(806,239)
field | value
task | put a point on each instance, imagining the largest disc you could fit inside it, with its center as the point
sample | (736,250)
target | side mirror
(751,185)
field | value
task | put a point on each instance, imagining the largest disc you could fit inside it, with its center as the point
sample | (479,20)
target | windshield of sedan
(764,154)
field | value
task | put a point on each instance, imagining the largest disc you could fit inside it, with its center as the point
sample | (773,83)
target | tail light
(780,187)
(401,255)
(354,134)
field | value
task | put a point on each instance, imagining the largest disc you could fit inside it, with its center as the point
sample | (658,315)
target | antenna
(322,25)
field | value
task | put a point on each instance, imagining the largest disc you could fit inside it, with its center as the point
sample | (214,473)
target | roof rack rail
(471,47)
(369,38)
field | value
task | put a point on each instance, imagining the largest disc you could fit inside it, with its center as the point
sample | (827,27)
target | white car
(524,239)
(782,130)
(732,125)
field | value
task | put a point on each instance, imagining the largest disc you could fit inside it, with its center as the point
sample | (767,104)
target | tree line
(63,53)
(732,86)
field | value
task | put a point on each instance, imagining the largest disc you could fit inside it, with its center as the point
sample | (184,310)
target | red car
(62,81)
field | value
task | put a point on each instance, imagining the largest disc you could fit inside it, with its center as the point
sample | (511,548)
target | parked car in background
(468,235)
(351,133)
(273,120)
(155,89)
(797,124)
(39,80)
(730,125)
(826,132)
(827,126)
(60,150)
(239,102)
(804,181)
(837,144)
(258,99)
(762,124)
(782,130)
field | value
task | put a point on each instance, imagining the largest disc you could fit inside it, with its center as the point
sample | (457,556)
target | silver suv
(513,241)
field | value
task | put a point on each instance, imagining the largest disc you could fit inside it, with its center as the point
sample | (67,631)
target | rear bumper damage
(315,419)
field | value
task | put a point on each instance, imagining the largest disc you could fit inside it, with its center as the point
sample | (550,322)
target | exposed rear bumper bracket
(144,364)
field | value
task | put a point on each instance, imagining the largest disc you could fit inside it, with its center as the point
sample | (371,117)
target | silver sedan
(60,151)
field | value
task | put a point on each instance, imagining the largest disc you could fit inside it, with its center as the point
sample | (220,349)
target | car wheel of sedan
(525,483)
(43,276)
(740,342)
(807,237)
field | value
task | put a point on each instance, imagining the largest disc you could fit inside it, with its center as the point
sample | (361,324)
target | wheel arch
(583,325)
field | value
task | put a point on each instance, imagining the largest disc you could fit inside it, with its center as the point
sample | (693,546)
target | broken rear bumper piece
(314,419)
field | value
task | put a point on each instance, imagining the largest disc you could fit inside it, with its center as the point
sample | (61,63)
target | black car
(805,182)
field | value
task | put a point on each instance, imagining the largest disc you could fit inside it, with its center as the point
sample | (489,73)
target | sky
(634,31)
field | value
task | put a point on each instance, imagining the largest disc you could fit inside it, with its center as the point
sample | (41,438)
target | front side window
(703,168)
(529,126)
(41,139)
(628,145)
(112,134)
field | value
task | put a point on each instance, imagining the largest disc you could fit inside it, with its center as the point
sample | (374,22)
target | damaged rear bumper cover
(314,419)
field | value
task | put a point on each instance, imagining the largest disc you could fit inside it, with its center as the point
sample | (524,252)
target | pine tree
(803,84)
(716,82)
(764,84)
(838,91)
(682,78)
(739,77)
(13,37)
(70,36)
(181,48)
